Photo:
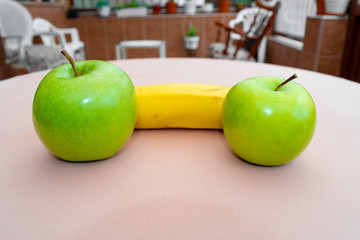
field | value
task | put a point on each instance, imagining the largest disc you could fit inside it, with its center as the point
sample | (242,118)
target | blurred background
(322,35)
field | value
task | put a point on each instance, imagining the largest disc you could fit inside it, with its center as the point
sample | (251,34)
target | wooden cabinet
(351,63)
(101,35)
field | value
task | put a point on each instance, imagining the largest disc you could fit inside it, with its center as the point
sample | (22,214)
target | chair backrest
(15,22)
(52,36)
(252,20)
(248,29)
(120,49)
(40,26)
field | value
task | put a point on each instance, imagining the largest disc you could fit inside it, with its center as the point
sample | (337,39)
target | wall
(101,35)
(56,14)
(323,46)
(350,67)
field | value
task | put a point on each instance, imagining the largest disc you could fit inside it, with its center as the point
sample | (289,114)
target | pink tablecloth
(184,184)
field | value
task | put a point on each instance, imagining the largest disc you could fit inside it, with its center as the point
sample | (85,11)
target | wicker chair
(245,33)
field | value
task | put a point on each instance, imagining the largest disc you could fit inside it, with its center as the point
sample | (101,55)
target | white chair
(248,30)
(120,48)
(15,30)
(74,47)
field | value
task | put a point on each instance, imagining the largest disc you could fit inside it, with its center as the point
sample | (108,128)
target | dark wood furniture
(351,62)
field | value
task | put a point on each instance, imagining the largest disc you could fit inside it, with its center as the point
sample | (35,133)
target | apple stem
(286,81)
(71,60)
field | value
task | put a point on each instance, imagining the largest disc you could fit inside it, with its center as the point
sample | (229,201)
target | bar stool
(121,47)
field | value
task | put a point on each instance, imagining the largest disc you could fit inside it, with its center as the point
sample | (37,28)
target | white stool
(121,47)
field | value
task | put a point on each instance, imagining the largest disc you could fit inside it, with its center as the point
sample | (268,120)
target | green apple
(86,116)
(268,124)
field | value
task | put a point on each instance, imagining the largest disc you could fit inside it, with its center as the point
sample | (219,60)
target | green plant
(242,3)
(131,4)
(192,31)
(101,3)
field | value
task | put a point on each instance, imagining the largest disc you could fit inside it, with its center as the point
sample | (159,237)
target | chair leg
(83,54)
(123,52)
(79,55)
(163,50)
(253,50)
(225,51)
(117,51)
(240,44)
(261,52)
(218,35)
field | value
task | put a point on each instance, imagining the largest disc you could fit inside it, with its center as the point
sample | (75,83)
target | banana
(180,105)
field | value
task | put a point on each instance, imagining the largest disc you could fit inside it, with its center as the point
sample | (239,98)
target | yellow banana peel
(180,105)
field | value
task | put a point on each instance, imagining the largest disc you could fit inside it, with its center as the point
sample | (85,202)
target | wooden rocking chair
(246,31)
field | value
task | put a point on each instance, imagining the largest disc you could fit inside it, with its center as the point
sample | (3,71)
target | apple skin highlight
(268,127)
(84,118)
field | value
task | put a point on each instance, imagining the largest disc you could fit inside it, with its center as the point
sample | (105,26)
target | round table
(184,184)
